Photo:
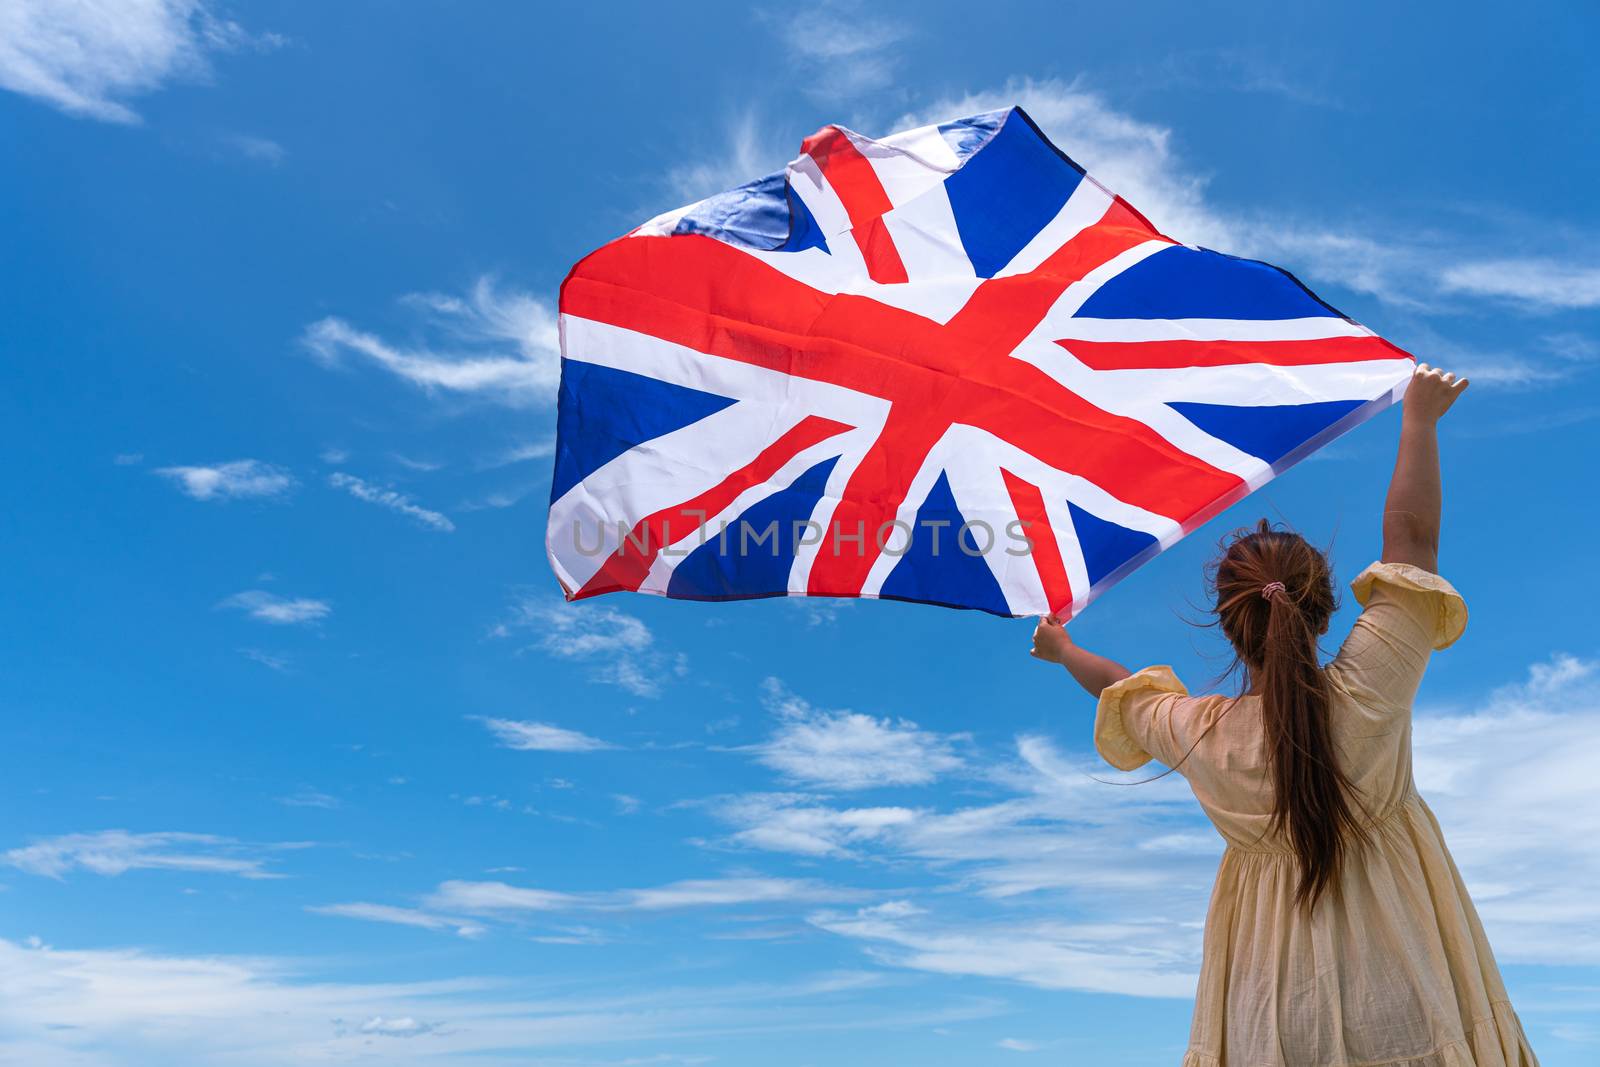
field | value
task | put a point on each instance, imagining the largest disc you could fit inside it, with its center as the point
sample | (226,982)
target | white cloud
(270,607)
(505,902)
(725,892)
(92,1007)
(1574,347)
(1237,70)
(306,797)
(114,852)
(803,825)
(239,479)
(841,49)
(1093,957)
(1017,1044)
(270,660)
(541,737)
(405,1026)
(388,913)
(521,453)
(620,646)
(256,149)
(501,345)
(751,151)
(586,631)
(491,897)
(849,750)
(391,499)
(1514,787)
(86,57)
(1543,284)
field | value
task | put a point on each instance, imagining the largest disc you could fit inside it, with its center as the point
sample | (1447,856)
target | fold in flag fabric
(947,366)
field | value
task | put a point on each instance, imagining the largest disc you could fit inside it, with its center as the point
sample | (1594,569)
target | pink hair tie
(1272,589)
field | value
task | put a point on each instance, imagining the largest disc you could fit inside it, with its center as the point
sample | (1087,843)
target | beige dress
(1392,967)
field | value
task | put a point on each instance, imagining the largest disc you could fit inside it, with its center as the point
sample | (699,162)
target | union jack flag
(947,366)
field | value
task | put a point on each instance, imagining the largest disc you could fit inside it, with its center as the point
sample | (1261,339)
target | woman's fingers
(1433,390)
(1050,640)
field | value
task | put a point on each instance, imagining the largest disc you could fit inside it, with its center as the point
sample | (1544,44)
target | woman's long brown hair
(1274,596)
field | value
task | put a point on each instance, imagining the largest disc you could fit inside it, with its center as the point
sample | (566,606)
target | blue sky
(305,758)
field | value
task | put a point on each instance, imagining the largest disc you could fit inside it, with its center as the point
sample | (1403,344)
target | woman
(1339,933)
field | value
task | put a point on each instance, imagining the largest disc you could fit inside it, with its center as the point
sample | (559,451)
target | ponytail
(1274,598)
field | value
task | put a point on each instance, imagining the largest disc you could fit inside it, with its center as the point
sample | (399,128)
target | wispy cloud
(307,797)
(270,607)
(65,1005)
(1094,957)
(1573,347)
(1235,70)
(749,150)
(502,902)
(404,1026)
(388,913)
(89,58)
(849,750)
(1542,284)
(114,852)
(239,479)
(1513,784)
(389,498)
(541,737)
(619,646)
(841,48)
(498,344)
(807,826)
(521,453)
(256,149)
(490,898)
(271,660)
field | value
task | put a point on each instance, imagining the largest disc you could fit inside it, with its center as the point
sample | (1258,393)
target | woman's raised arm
(1093,671)
(1411,512)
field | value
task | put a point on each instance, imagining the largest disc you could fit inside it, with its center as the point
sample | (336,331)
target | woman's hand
(1050,640)
(1431,393)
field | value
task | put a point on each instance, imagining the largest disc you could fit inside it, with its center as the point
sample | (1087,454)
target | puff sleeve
(1134,721)
(1409,613)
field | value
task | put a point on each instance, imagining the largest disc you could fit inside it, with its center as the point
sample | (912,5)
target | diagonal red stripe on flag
(627,567)
(864,199)
(1044,550)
